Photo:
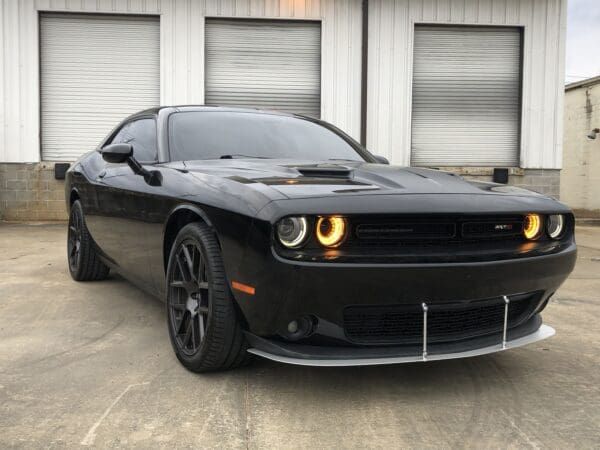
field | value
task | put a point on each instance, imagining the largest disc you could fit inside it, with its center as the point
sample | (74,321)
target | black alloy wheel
(189,297)
(84,261)
(74,240)
(204,325)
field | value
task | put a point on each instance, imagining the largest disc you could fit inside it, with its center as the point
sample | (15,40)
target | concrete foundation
(544,181)
(30,192)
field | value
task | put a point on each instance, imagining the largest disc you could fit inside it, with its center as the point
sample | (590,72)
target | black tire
(204,327)
(83,260)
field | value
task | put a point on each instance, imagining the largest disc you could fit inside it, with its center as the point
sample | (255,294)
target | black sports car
(280,236)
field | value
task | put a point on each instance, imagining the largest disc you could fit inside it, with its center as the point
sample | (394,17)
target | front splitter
(541,333)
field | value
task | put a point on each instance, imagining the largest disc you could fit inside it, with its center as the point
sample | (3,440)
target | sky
(583,40)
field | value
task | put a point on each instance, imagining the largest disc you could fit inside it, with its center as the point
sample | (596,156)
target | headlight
(555,225)
(331,230)
(532,226)
(292,231)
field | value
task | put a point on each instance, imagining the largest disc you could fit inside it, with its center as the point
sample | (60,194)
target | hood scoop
(325,171)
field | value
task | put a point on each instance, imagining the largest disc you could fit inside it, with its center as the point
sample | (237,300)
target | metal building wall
(181,54)
(391,32)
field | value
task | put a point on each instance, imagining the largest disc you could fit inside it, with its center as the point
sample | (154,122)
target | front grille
(492,229)
(407,230)
(434,229)
(445,322)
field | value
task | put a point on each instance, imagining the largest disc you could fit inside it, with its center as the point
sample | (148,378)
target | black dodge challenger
(280,236)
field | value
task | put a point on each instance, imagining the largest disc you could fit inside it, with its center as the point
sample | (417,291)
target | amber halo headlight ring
(331,230)
(292,231)
(532,226)
(555,225)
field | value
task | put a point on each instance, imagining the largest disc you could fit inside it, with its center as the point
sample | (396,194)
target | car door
(124,203)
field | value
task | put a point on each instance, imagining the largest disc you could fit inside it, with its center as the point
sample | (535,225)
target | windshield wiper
(233,156)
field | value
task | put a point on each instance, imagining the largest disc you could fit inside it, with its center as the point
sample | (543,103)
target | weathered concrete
(29,191)
(580,177)
(91,363)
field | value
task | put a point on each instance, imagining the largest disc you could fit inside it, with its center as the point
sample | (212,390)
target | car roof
(192,108)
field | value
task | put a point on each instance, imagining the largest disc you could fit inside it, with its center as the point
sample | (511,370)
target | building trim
(588,82)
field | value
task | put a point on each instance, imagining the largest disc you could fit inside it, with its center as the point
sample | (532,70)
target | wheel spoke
(188,332)
(194,332)
(201,326)
(180,327)
(189,261)
(182,270)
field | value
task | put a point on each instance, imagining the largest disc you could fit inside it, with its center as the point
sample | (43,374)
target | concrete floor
(91,364)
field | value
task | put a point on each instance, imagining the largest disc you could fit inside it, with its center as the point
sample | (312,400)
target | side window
(141,134)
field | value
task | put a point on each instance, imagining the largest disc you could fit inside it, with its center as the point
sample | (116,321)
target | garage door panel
(466,96)
(265,64)
(95,71)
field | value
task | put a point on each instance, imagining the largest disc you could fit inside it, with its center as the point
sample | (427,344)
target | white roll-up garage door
(466,96)
(265,64)
(95,71)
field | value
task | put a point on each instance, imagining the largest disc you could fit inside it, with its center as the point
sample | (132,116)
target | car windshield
(213,135)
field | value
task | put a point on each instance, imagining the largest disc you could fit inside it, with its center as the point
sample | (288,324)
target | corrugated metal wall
(19,82)
(270,64)
(96,69)
(181,54)
(391,25)
(391,33)
(466,96)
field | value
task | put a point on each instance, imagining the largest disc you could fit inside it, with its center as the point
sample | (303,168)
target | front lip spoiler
(543,332)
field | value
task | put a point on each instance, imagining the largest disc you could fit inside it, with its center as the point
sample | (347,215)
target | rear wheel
(84,262)
(204,327)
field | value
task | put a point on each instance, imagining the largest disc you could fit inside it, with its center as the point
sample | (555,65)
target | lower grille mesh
(445,322)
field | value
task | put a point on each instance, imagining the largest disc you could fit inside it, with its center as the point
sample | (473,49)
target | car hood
(308,179)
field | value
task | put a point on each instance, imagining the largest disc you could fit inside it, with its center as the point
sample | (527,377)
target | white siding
(391,24)
(19,90)
(391,33)
(181,54)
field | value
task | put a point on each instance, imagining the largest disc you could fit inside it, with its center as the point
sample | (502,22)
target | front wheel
(204,327)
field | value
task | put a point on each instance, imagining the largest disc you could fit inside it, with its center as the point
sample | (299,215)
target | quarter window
(141,134)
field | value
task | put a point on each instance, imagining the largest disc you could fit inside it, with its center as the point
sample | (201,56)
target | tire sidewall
(76,209)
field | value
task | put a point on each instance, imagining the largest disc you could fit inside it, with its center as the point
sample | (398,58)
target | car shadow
(431,380)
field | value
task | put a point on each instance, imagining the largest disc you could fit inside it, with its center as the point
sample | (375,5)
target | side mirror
(381,159)
(117,153)
(120,153)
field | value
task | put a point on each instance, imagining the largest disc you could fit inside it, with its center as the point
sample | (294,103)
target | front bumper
(287,290)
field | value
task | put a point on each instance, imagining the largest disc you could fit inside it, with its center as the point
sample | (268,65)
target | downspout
(364,72)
